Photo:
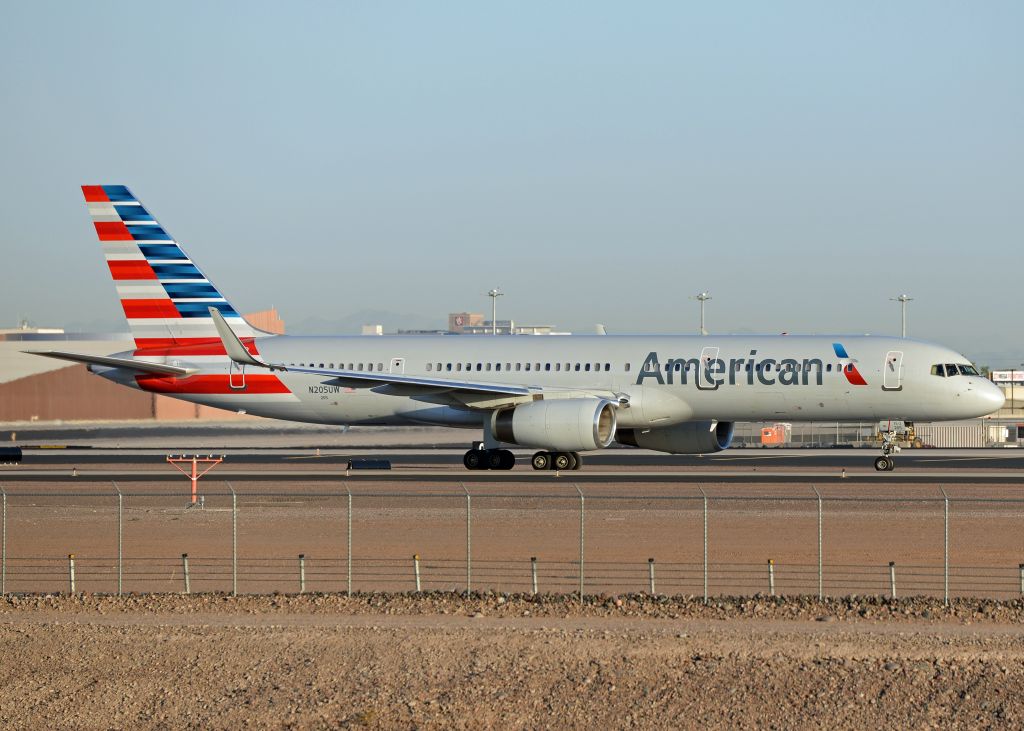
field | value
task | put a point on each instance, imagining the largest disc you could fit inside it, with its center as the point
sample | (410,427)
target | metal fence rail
(578,565)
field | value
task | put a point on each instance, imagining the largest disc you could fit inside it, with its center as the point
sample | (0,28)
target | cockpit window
(938,370)
(968,370)
(951,370)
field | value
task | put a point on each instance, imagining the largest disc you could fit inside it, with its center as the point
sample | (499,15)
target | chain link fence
(109,540)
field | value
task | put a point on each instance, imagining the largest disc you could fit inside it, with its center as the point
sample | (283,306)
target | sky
(599,162)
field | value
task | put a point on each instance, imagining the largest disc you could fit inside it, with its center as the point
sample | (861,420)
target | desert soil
(506,661)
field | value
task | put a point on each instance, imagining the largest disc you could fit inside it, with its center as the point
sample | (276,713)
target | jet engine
(690,437)
(569,425)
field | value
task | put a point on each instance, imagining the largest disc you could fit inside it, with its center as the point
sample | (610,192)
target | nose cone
(987,395)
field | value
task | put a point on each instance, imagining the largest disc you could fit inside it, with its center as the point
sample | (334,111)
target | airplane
(561,395)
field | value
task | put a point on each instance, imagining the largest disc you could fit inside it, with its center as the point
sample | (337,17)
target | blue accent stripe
(133,213)
(177,271)
(197,289)
(201,309)
(148,233)
(162,251)
(117,193)
(840,350)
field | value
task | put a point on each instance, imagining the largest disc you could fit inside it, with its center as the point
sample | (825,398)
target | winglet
(233,346)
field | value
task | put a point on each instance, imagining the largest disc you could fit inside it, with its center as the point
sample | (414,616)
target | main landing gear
(557,461)
(886,463)
(489,459)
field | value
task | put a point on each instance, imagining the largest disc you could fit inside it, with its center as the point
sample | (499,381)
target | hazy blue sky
(599,162)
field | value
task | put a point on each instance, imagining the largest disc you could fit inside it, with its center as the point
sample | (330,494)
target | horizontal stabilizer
(128,363)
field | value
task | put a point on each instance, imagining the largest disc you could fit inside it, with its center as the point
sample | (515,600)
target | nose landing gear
(886,463)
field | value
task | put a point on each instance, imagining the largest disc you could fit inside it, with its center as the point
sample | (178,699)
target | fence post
(120,537)
(3,548)
(302,573)
(945,547)
(533,575)
(892,579)
(821,584)
(416,570)
(469,542)
(71,571)
(650,575)
(184,571)
(582,513)
(348,553)
(771,577)
(704,495)
(234,541)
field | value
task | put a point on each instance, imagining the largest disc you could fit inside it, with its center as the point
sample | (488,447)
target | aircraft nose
(988,395)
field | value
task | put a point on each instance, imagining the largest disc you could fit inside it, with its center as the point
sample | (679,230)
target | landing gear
(556,461)
(886,463)
(489,459)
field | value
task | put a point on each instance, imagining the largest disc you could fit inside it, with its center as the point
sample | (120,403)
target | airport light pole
(702,298)
(494,294)
(903,299)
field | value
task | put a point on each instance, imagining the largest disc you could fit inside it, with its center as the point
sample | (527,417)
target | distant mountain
(352,324)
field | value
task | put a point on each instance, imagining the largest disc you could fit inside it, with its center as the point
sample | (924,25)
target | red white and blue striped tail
(164,294)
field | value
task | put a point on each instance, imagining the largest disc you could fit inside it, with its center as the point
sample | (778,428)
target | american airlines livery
(561,395)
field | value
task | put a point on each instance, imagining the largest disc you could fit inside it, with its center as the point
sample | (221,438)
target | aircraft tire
(508,459)
(577,460)
(495,459)
(884,464)
(541,460)
(562,461)
(473,460)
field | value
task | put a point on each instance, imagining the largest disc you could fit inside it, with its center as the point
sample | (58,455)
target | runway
(622,466)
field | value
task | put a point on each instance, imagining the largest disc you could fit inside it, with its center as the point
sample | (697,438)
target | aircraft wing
(394,379)
(102,360)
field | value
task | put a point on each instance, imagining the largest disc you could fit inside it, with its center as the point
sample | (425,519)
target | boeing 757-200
(561,395)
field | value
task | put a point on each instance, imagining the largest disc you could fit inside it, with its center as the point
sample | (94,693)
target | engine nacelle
(690,437)
(566,425)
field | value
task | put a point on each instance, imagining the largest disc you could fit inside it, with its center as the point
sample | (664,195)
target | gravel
(503,660)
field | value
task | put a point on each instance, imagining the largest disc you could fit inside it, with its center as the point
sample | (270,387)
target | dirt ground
(495,661)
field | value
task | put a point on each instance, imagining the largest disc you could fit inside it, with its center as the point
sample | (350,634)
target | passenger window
(577,367)
(448,367)
(469,366)
(519,366)
(488,366)
(458,366)
(527,366)
(429,366)
(627,368)
(536,366)
(828,367)
(508,366)
(547,366)
(479,366)
(587,367)
(558,366)
(497,366)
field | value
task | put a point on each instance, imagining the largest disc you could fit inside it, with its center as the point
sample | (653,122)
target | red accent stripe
(145,309)
(131,269)
(212,384)
(94,194)
(112,231)
(854,376)
(186,346)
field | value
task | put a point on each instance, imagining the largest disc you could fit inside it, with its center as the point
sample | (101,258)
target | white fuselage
(656,380)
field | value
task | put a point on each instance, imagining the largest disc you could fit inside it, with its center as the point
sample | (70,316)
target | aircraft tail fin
(165,296)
